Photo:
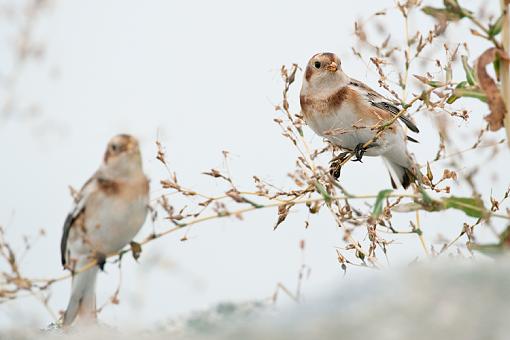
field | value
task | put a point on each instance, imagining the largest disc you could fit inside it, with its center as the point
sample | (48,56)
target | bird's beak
(333,67)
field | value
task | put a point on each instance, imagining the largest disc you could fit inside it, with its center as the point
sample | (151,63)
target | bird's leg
(360,150)
(336,164)
(340,157)
(101,261)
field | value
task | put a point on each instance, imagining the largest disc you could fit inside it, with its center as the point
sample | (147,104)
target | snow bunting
(347,113)
(110,210)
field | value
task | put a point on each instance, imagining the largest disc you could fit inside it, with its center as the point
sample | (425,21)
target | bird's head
(324,71)
(122,156)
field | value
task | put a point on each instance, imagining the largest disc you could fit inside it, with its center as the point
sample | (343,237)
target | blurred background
(201,77)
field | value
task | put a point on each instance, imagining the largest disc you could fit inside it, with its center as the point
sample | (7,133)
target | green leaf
(492,250)
(360,255)
(470,75)
(495,28)
(378,206)
(453,6)
(497,66)
(462,84)
(472,92)
(300,131)
(448,70)
(441,13)
(431,83)
(504,237)
(453,97)
(436,83)
(426,198)
(470,206)
(320,188)
(430,175)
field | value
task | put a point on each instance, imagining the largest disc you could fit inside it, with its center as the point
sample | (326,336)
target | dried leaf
(283,211)
(136,249)
(431,83)
(167,184)
(430,175)
(235,195)
(161,153)
(488,85)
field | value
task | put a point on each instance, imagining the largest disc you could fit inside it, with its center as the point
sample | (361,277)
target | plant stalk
(505,75)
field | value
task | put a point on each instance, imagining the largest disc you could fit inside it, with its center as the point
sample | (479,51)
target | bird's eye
(114,147)
(317,64)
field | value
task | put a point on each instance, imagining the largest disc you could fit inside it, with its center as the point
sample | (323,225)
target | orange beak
(333,67)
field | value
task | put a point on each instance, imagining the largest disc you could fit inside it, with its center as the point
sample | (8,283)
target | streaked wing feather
(380,102)
(77,210)
(395,110)
(411,139)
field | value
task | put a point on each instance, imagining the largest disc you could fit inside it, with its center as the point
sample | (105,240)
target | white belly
(346,130)
(109,227)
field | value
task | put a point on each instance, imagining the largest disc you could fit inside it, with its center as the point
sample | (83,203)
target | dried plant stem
(282,287)
(212,217)
(420,234)
(491,145)
(505,76)
(407,55)
(486,35)
(152,237)
(44,302)
(452,242)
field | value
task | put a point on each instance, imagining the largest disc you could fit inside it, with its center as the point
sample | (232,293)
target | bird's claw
(334,169)
(336,164)
(359,151)
(101,261)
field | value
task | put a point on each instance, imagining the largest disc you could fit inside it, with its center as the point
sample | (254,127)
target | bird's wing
(377,100)
(79,208)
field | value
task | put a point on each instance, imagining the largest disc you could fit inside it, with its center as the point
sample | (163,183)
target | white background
(203,76)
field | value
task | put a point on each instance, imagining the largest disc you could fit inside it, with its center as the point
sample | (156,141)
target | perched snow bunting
(347,113)
(110,210)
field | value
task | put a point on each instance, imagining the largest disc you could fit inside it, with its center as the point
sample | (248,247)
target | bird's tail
(404,175)
(83,297)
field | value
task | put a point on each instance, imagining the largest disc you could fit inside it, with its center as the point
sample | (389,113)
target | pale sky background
(203,76)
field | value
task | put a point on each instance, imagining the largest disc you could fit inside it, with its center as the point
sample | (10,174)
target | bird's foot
(359,151)
(336,164)
(101,261)
(334,169)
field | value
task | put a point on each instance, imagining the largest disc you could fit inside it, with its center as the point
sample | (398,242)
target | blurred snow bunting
(110,209)
(347,113)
